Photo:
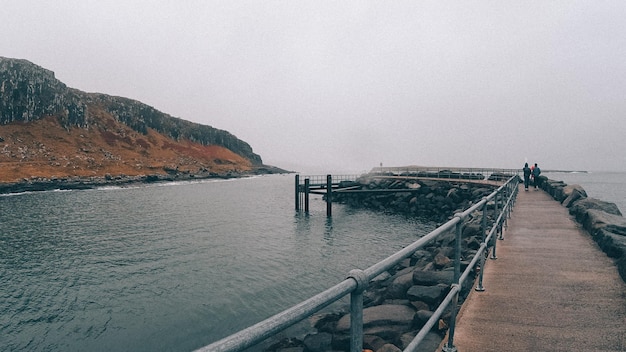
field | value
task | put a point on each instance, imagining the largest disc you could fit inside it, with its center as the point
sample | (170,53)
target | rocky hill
(48,130)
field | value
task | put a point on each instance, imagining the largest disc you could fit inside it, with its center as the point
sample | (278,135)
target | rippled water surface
(172,267)
(607,186)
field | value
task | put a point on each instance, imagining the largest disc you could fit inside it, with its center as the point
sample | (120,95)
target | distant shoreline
(40,184)
(565,171)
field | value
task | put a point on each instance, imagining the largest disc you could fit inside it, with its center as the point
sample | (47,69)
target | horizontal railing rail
(443,172)
(320,180)
(357,280)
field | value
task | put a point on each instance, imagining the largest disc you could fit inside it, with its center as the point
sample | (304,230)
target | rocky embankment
(602,220)
(35,184)
(431,200)
(399,302)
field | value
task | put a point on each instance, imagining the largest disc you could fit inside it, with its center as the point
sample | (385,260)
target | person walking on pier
(526,176)
(536,173)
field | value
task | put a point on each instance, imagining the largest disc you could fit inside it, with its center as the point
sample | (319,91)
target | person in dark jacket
(536,173)
(526,176)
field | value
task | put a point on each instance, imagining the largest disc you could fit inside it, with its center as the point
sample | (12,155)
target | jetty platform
(551,288)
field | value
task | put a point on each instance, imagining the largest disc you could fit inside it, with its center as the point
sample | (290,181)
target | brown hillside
(46,149)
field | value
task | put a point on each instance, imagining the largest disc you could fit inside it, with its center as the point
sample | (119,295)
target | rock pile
(428,199)
(602,220)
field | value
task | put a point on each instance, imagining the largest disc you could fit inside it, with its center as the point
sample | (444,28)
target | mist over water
(173,267)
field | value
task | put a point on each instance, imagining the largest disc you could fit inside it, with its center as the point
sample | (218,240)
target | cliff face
(49,129)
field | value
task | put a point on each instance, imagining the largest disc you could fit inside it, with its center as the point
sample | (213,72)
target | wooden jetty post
(329,195)
(307,188)
(316,185)
(297,192)
(302,193)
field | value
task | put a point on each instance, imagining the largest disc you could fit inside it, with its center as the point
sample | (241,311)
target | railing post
(494,239)
(505,215)
(329,195)
(356,309)
(449,347)
(499,198)
(483,230)
(297,192)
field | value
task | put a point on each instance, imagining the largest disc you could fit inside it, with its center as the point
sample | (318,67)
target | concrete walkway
(551,288)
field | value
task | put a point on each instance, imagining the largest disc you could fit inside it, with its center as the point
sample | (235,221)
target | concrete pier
(551,288)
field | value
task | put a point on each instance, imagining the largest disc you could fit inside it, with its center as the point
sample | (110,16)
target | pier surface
(551,288)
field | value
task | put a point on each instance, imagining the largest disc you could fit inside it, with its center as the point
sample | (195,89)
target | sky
(344,86)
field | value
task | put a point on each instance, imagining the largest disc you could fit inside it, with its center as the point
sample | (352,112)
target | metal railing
(321,180)
(357,281)
(443,172)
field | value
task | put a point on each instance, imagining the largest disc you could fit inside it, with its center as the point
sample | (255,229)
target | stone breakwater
(427,199)
(399,302)
(602,220)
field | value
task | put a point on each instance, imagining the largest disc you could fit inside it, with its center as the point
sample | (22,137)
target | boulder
(442,261)
(621,267)
(381,278)
(421,317)
(594,220)
(383,315)
(581,206)
(291,349)
(372,297)
(421,256)
(614,245)
(471,229)
(573,193)
(473,243)
(427,294)
(432,278)
(618,226)
(389,333)
(419,305)
(318,342)
(431,341)
(399,285)
(389,348)
(555,188)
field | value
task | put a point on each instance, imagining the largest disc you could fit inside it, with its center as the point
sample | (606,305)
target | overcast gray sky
(328,86)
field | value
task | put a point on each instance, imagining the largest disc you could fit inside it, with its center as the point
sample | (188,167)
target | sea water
(607,186)
(173,267)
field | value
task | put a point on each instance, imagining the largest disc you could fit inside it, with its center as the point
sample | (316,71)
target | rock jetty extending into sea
(602,220)
(399,302)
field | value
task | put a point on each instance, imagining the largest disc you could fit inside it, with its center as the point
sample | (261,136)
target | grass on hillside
(45,149)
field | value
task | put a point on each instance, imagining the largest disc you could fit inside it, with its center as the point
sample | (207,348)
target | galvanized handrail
(321,179)
(357,282)
(435,172)
(444,171)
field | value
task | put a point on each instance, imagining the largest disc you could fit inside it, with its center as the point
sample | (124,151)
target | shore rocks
(427,199)
(382,315)
(76,183)
(399,302)
(602,220)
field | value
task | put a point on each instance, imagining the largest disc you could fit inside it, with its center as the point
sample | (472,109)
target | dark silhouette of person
(536,173)
(526,176)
